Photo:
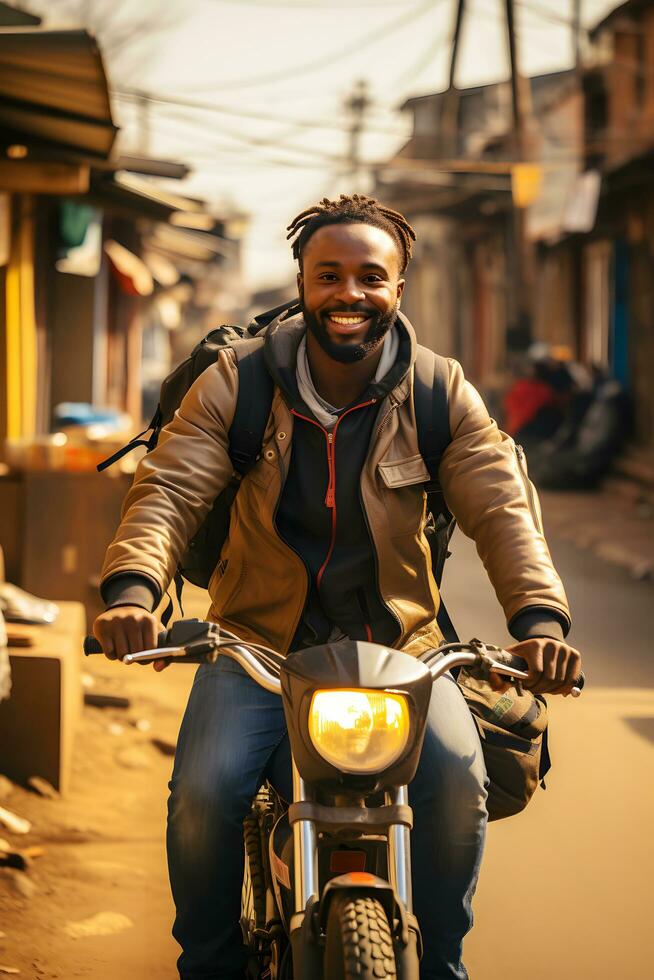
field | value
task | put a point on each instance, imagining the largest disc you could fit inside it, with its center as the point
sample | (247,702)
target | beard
(351,353)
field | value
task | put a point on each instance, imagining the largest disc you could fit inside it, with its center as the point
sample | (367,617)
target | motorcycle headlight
(359,731)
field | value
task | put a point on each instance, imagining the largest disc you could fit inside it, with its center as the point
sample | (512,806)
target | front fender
(404,925)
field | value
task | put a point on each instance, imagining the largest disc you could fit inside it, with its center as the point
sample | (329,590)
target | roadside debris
(19,606)
(41,786)
(164,746)
(15,639)
(102,924)
(8,969)
(142,725)
(14,859)
(6,787)
(22,885)
(14,823)
(134,758)
(106,700)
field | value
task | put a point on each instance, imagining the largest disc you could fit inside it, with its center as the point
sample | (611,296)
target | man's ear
(299,284)
(400,289)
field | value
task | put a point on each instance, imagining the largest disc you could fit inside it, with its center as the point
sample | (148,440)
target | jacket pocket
(225,580)
(403,472)
(402,492)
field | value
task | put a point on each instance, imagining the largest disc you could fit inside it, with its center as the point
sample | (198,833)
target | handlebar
(194,641)
(181,634)
(484,659)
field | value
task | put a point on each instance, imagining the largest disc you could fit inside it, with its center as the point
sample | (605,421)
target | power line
(343,52)
(415,71)
(546,14)
(222,110)
(272,141)
(308,5)
(320,161)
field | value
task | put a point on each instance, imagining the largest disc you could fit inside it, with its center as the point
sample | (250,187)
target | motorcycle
(327,883)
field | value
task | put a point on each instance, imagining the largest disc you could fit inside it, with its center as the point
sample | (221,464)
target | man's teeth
(347,320)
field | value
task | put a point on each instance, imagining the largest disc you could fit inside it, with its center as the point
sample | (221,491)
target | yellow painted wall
(20,325)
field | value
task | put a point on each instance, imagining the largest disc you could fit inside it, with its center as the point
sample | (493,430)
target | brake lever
(496,667)
(507,669)
(200,651)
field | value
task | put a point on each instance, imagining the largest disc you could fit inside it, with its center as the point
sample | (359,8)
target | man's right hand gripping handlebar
(127,629)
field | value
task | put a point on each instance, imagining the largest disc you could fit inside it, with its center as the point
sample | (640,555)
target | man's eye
(327,276)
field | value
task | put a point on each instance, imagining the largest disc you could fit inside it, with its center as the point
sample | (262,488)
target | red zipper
(330,496)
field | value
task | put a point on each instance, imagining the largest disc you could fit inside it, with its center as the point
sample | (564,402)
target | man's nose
(349,291)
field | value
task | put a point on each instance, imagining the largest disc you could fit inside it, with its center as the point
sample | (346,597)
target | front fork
(307,955)
(399,852)
(305,851)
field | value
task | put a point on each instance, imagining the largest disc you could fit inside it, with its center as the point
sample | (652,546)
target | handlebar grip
(521,664)
(91,645)
(580,681)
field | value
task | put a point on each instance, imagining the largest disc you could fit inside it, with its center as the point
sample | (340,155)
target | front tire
(359,945)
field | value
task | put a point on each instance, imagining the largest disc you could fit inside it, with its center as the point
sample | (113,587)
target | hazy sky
(274,76)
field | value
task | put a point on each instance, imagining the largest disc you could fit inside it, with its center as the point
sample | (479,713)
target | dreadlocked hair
(354,209)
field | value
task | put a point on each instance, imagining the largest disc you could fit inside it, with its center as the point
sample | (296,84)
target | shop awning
(53,88)
(124,194)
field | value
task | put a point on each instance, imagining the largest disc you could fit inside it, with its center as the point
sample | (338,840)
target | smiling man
(327,541)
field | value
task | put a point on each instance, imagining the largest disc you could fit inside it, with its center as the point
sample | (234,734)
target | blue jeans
(233,736)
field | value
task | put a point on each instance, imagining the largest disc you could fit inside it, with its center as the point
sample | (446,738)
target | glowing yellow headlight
(359,731)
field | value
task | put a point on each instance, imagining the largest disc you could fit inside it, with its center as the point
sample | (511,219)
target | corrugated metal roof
(53,87)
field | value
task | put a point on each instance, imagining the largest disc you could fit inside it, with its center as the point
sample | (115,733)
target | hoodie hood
(283,337)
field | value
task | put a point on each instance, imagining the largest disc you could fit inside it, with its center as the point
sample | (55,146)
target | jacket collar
(283,338)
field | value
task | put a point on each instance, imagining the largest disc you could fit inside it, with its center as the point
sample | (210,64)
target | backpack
(255,390)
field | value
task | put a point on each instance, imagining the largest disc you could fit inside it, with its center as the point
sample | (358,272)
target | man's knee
(206,802)
(451,768)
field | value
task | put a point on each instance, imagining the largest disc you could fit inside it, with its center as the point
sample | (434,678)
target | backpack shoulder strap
(430,381)
(253,404)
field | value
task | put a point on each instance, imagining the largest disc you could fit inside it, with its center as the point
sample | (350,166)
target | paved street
(564,891)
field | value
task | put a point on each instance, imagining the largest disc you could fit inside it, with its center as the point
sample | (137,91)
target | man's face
(349,288)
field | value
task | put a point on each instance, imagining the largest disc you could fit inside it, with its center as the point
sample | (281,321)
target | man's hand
(553,666)
(126,629)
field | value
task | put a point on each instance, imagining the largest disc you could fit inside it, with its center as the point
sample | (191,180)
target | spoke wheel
(359,944)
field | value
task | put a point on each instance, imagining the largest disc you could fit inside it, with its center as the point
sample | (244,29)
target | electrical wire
(257,142)
(308,5)
(327,60)
(222,110)
(415,71)
(551,15)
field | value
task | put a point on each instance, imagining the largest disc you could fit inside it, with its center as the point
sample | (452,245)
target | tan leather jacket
(259,586)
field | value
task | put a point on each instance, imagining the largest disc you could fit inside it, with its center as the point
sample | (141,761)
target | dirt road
(564,887)
(103,845)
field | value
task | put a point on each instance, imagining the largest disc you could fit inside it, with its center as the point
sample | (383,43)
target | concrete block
(37,723)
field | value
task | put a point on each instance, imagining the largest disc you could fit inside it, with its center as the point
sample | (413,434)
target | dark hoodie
(334,542)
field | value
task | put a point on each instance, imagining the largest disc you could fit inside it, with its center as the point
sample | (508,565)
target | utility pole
(521,139)
(357,105)
(144,124)
(451,97)
(576,34)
